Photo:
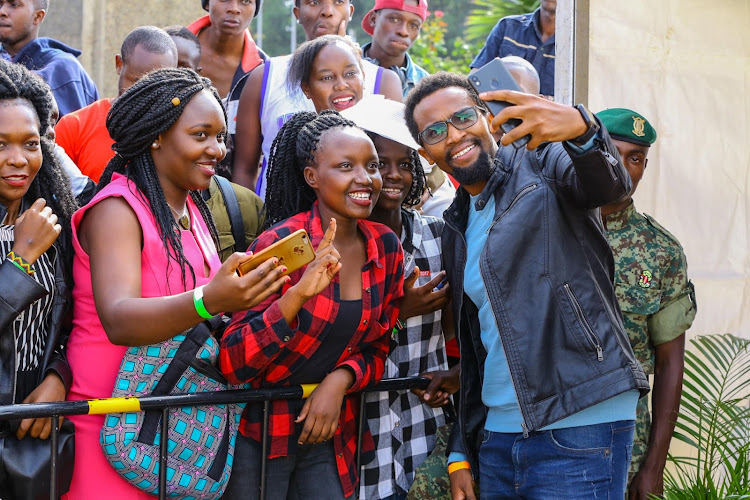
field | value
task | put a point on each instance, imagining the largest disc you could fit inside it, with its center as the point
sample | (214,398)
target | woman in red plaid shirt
(330,324)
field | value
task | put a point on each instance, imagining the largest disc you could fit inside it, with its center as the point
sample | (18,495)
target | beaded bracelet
(20,263)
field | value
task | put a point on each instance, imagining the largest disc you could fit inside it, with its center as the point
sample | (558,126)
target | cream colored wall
(685,65)
(98,27)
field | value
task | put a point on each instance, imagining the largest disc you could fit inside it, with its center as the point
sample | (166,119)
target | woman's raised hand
(35,231)
(228,292)
(321,271)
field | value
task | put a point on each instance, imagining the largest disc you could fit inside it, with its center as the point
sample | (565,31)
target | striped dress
(30,327)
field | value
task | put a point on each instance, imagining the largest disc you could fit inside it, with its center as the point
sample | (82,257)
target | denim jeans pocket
(486,435)
(585,440)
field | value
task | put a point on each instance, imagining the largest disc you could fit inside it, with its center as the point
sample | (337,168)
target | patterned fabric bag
(201,439)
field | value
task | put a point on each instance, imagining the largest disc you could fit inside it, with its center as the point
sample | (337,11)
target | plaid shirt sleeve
(368,365)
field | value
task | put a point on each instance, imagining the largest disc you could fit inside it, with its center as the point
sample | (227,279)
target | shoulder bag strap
(233,210)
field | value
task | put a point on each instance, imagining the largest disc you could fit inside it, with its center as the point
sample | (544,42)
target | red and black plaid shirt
(261,348)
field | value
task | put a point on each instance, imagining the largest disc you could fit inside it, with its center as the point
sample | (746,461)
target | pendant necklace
(182,218)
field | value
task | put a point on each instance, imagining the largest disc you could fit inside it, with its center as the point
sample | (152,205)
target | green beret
(627,125)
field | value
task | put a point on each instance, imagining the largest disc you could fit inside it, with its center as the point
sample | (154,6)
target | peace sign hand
(321,271)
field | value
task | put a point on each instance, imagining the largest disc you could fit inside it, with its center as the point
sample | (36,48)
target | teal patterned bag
(201,439)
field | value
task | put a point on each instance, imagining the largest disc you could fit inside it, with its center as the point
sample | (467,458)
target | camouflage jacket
(656,298)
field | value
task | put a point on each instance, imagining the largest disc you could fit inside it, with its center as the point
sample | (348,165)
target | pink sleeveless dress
(94,360)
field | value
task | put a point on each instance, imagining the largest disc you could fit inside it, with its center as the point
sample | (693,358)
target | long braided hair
(137,118)
(51,182)
(291,151)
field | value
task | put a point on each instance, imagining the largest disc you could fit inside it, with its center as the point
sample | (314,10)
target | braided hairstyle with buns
(137,118)
(51,182)
(292,150)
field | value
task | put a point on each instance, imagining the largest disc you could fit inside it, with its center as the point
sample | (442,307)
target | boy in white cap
(405,425)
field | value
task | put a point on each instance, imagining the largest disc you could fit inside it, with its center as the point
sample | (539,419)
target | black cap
(204,4)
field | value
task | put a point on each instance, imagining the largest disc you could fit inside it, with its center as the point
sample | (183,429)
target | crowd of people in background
(521,281)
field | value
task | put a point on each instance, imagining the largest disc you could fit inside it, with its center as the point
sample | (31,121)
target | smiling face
(465,154)
(322,17)
(20,151)
(336,79)
(188,152)
(394,31)
(396,171)
(345,177)
(231,17)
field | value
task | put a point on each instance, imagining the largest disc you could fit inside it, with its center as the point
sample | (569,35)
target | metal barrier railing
(164,403)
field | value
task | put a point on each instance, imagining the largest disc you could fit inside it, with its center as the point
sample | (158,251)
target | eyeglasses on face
(461,119)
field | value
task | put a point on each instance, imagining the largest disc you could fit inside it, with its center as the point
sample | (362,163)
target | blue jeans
(576,462)
(310,473)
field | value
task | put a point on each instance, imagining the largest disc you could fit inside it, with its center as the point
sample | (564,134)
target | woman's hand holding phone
(229,292)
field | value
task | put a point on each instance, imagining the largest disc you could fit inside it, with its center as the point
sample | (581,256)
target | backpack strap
(234,212)
(183,358)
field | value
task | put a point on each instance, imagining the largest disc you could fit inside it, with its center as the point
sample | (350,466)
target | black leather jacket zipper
(520,194)
(592,337)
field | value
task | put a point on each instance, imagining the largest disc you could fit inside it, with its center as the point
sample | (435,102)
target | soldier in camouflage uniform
(657,302)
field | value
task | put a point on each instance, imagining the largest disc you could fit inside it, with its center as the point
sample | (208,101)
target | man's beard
(479,171)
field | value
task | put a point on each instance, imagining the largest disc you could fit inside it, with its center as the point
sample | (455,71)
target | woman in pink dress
(143,244)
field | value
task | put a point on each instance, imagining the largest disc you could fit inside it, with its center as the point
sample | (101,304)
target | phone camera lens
(494,83)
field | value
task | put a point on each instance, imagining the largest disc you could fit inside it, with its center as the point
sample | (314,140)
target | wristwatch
(592,126)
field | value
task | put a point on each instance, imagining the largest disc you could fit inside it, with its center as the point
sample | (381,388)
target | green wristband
(19,262)
(17,265)
(200,308)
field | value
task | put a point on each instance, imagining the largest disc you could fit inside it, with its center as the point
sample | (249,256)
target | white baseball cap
(384,117)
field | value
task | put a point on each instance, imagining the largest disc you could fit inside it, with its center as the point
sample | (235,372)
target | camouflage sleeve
(677,307)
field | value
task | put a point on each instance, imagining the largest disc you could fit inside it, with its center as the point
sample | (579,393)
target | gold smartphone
(294,251)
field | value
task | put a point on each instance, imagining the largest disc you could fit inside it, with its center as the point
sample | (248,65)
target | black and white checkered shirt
(404,429)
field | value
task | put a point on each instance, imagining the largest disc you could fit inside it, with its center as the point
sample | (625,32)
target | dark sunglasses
(461,119)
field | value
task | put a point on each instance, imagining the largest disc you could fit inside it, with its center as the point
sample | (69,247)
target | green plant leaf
(713,421)
(486,13)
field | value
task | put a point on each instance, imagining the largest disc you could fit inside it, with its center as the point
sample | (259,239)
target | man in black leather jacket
(549,382)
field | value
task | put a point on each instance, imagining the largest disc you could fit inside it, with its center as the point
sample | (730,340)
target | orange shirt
(84,137)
